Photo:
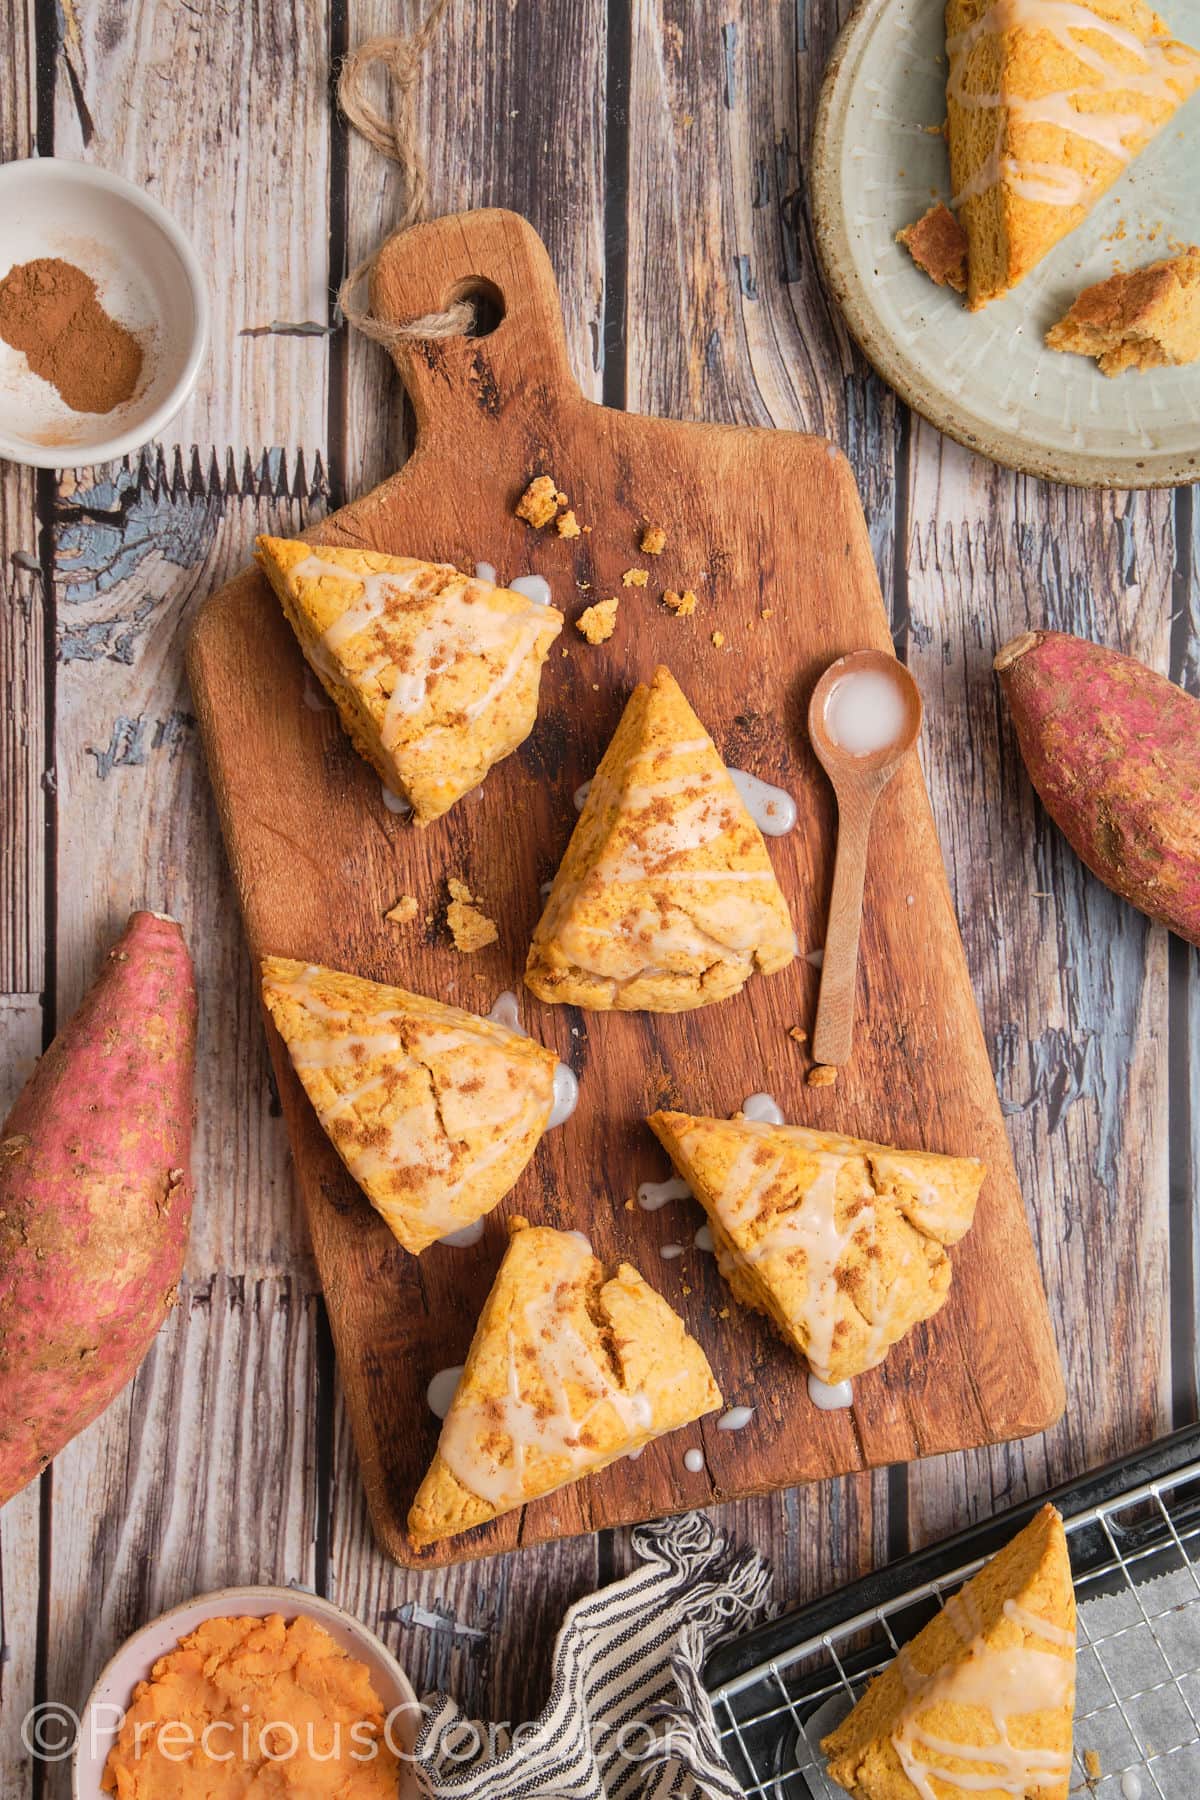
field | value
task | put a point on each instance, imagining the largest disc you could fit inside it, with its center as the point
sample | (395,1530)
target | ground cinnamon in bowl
(50,311)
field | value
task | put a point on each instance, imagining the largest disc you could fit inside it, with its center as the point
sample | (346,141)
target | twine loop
(395,136)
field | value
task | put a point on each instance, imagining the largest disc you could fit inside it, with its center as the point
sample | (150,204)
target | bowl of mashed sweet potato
(262,1689)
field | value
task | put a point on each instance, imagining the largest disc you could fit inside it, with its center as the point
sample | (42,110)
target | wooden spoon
(858,780)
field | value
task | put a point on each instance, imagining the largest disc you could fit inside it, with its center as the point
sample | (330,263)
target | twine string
(395,135)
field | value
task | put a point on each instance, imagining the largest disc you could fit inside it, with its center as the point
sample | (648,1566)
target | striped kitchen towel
(628,1717)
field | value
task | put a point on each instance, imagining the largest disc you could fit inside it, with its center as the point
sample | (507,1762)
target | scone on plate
(665,898)
(435,674)
(568,1370)
(980,1703)
(1046,105)
(840,1242)
(435,1112)
(1146,319)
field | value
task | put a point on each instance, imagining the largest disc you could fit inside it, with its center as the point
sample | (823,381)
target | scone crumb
(568,525)
(539,503)
(404,910)
(768,612)
(635,578)
(599,622)
(798,1034)
(1091,1762)
(682,605)
(470,927)
(718,638)
(724,1313)
(562,498)
(937,244)
(654,541)
(824,1075)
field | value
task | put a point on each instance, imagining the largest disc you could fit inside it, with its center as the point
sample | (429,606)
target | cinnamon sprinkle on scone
(937,244)
(1147,319)
(470,928)
(599,621)
(654,541)
(539,503)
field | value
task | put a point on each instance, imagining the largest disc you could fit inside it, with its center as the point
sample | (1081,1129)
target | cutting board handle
(457,383)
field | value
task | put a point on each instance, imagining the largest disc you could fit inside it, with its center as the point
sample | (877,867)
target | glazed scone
(840,1242)
(979,1706)
(435,1112)
(665,898)
(435,674)
(1146,319)
(1047,102)
(568,1370)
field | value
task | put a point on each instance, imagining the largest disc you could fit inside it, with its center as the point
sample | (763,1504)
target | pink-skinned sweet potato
(1114,751)
(95,1198)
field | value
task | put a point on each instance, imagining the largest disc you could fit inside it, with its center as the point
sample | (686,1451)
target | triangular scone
(841,1243)
(435,673)
(568,1370)
(1047,101)
(986,1689)
(435,1112)
(665,898)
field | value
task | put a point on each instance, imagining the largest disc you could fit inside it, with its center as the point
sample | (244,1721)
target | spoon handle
(834,1032)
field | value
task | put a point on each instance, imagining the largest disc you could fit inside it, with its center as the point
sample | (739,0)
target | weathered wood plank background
(658,146)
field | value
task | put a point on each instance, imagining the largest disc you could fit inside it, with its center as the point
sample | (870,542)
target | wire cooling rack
(1134,1535)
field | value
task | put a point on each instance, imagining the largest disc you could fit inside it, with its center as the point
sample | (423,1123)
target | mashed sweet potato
(255,1706)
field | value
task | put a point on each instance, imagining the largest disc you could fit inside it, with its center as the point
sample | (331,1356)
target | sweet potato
(95,1198)
(1114,751)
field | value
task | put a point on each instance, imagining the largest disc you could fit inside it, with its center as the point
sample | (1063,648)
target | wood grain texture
(1072,982)
(221,113)
(487,413)
(489,91)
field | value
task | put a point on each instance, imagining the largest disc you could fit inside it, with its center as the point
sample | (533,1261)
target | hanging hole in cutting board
(487,300)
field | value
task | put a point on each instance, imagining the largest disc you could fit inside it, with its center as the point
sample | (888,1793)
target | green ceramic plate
(987,378)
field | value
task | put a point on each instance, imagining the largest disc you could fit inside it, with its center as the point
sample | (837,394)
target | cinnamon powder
(49,310)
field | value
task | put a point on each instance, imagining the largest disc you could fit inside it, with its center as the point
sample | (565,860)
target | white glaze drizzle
(653,1194)
(773,809)
(417,1139)
(486,571)
(506,1011)
(566,1365)
(462,1240)
(580,795)
(1131,1785)
(395,803)
(763,1109)
(693,1461)
(830,1396)
(534,587)
(566,1095)
(1056,184)
(736,1419)
(703,1239)
(671,1252)
(455,622)
(442,1389)
(1006,1683)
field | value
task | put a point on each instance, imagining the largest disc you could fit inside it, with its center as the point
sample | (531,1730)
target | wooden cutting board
(766,527)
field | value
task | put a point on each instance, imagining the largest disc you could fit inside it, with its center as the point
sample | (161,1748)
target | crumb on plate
(937,244)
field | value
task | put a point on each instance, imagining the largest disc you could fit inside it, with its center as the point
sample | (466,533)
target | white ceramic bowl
(148,279)
(135,1659)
